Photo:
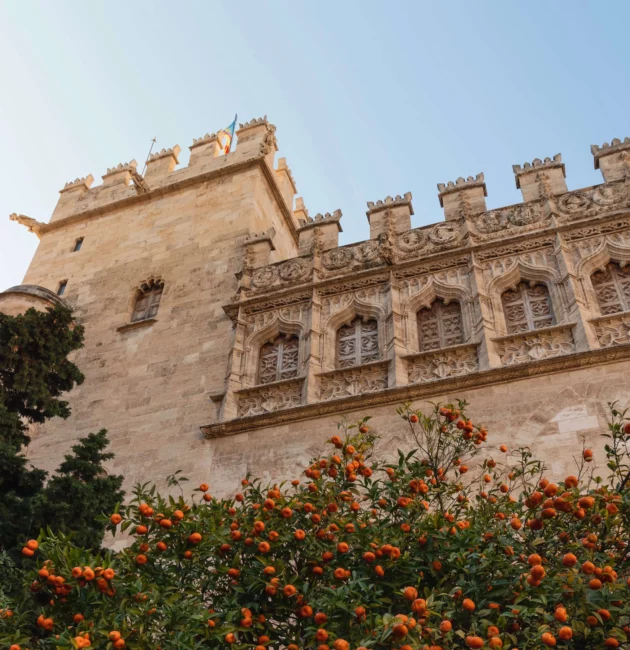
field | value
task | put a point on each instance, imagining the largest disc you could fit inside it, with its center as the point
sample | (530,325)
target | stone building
(227,331)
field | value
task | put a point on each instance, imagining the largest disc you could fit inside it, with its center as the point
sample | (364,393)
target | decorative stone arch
(435,289)
(267,333)
(608,251)
(524,272)
(345,316)
(136,290)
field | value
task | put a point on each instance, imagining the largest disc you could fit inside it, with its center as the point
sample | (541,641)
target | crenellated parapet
(320,232)
(613,159)
(391,216)
(464,197)
(122,185)
(541,178)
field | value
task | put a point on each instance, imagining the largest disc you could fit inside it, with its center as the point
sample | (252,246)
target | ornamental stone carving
(521,215)
(291,272)
(269,398)
(352,381)
(443,233)
(612,330)
(411,241)
(536,345)
(454,361)
(584,203)
(428,240)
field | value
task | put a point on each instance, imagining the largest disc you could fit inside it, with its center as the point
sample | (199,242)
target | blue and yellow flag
(225,137)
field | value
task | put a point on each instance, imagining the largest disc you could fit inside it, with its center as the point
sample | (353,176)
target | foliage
(410,554)
(34,373)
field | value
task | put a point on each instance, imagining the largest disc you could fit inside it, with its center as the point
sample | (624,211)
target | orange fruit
(565,633)
(468,605)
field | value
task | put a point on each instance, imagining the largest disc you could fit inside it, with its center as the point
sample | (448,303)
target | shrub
(359,553)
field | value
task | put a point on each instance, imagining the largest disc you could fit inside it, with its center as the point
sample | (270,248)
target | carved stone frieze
(258,305)
(592,201)
(356,380)
(335,303)
(453,361)
(515,248)
(294,271)
(535,345)
(296,313)
(539,258)
(428,240)
(270,397)
(612,330)
(364,255)
(456,277)
(607,227)
(513,220)
(348,285)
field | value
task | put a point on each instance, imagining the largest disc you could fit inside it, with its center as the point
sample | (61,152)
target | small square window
(77,245)
(62,287)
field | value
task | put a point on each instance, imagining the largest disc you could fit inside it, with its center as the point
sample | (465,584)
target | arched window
(440,325)
(357,343)
(147,300)
(278,359)
(612,287)
(527,308)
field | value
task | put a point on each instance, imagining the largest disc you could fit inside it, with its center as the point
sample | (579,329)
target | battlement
(612,159)
(548,207)
(541,181)
(122,183)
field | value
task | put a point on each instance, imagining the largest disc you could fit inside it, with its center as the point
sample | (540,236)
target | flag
(225,137)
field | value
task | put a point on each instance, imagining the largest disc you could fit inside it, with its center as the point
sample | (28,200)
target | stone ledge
(136,325)
(420,391)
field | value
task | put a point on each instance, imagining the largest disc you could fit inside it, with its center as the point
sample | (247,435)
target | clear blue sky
(370,98)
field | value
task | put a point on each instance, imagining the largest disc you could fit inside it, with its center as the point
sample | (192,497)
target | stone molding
(412,392)
(356,380)
(268,398)
(613,329)
(535,345)
(435,365)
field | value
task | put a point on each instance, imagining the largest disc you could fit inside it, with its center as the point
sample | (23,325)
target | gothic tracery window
(440,325)
(612,287)
(357,343)
(527,308)
(147,301)
(278,359)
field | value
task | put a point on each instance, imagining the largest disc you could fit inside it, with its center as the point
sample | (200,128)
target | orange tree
(358,553)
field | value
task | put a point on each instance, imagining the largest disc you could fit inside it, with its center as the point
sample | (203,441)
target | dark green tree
(34,374)
(80,492)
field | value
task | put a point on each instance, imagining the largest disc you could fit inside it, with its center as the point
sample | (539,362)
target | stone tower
(227,331)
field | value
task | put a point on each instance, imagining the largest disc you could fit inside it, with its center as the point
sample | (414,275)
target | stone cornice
(420,391)
(177,185)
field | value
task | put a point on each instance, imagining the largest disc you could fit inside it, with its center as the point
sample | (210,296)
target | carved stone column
(572,289)
(396,344)
(234,378)
(483,317)
(313,347)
